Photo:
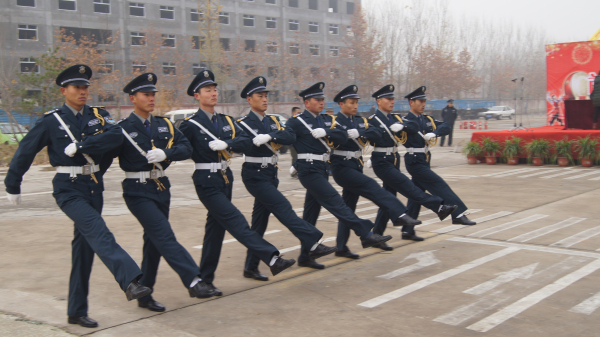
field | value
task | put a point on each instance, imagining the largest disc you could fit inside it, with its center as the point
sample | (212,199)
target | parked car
(498,112)
(10,133)
(176,116)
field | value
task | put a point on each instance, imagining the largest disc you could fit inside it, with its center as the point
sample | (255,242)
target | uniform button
(258,170)
(66,135)
(209,175)
(83,134)
(92,192)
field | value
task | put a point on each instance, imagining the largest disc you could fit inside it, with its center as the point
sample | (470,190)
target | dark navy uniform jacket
(306,143)
(228,132)
(96,136)
(366,132)
(279,135)
(449,114)
(413,125)
(131,160)
(385,140)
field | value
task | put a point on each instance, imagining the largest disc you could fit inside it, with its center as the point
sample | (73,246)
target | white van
(176,115)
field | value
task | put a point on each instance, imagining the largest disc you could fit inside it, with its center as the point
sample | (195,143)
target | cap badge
(205,73)
(82,70)
(391,87)
(260,80)
(149,77)
(321,86)
(354,88)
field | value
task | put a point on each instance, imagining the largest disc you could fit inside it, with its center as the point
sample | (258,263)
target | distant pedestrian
(449,114)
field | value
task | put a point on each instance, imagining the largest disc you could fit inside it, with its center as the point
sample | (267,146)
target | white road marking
(436,278)
(546,230)
(527,302)
(234,240)
(588,306)
(436,220)
(479,220)
(504,277)
(357,211)
(597,178)
(560,174)
(577,238)
(286,250)
(469,311)
(505,172)
(514,173)
(424,259)
(26,194)
(583,175)
(539,173)
(508,225)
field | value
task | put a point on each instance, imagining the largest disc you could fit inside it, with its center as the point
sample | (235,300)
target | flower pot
(563,161)
(472,160)
(586,162)
(512,161)
(537,161)
(490,160)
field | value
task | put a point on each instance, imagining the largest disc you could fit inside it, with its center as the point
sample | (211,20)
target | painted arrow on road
(505,277)
(424,259)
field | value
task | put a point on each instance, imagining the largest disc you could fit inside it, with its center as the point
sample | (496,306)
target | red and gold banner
(570,70)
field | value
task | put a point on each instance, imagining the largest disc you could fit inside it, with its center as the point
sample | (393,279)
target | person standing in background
(449,114)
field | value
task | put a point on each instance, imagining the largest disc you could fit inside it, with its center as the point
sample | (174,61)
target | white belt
(265,161)
(73,171)
(312,156)
(348,154)
(412,150)
(153,174)
(386,150)
(213,167)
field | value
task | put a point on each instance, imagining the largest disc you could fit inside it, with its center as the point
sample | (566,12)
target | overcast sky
(564,20)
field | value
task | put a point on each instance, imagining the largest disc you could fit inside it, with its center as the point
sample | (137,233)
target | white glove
(430,135)
(217,145)
(71,149)
(397,127)
(155,156)
(292,170)
(14,199)
(369,163)
(318,133)
(353,134)
(261,139)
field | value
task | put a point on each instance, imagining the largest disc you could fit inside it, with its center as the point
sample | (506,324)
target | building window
(313,4)
(26,3)
(334,51)
(250,45)
(136,9)
(196,43)
(167,12)
(349,31)
(248,20)
(99,36)
(249,0)
(294,24)
(195,15)
(271,47)
(198,67)
(28,65)
(271,2)
(313,49)
(223,18)
(334,29)
(169,68)
(313,27)
(102,6)
(333,8)
(138,39)
(350,8)
(106,68)
(293,3)
(106,98)
(67,5)
(139,67)
(274,96)
(294,48)
(295,74)
(334,73)
(314,72)
(273,72)
(28,32)
(271,23)
(168,40)
(224,43)
(250,70)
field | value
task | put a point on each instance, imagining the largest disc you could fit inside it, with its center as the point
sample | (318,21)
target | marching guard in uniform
(150,145)
(259,174)
(386,164)
(347,166)
(213,136)
(422,131)
(316,135)
(77,135)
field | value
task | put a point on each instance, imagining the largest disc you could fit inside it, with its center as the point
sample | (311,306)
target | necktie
(78,118)
(147,125)
(391,118)
(421,121)
(266,123)
(215,123)
(352,120)
(318,121)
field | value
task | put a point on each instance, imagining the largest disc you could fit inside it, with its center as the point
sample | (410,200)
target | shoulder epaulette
(51,111)
(242,118)
(98,107)
(120,120)
(190,116)
(372,116)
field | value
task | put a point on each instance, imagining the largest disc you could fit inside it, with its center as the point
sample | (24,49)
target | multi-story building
(29,27)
